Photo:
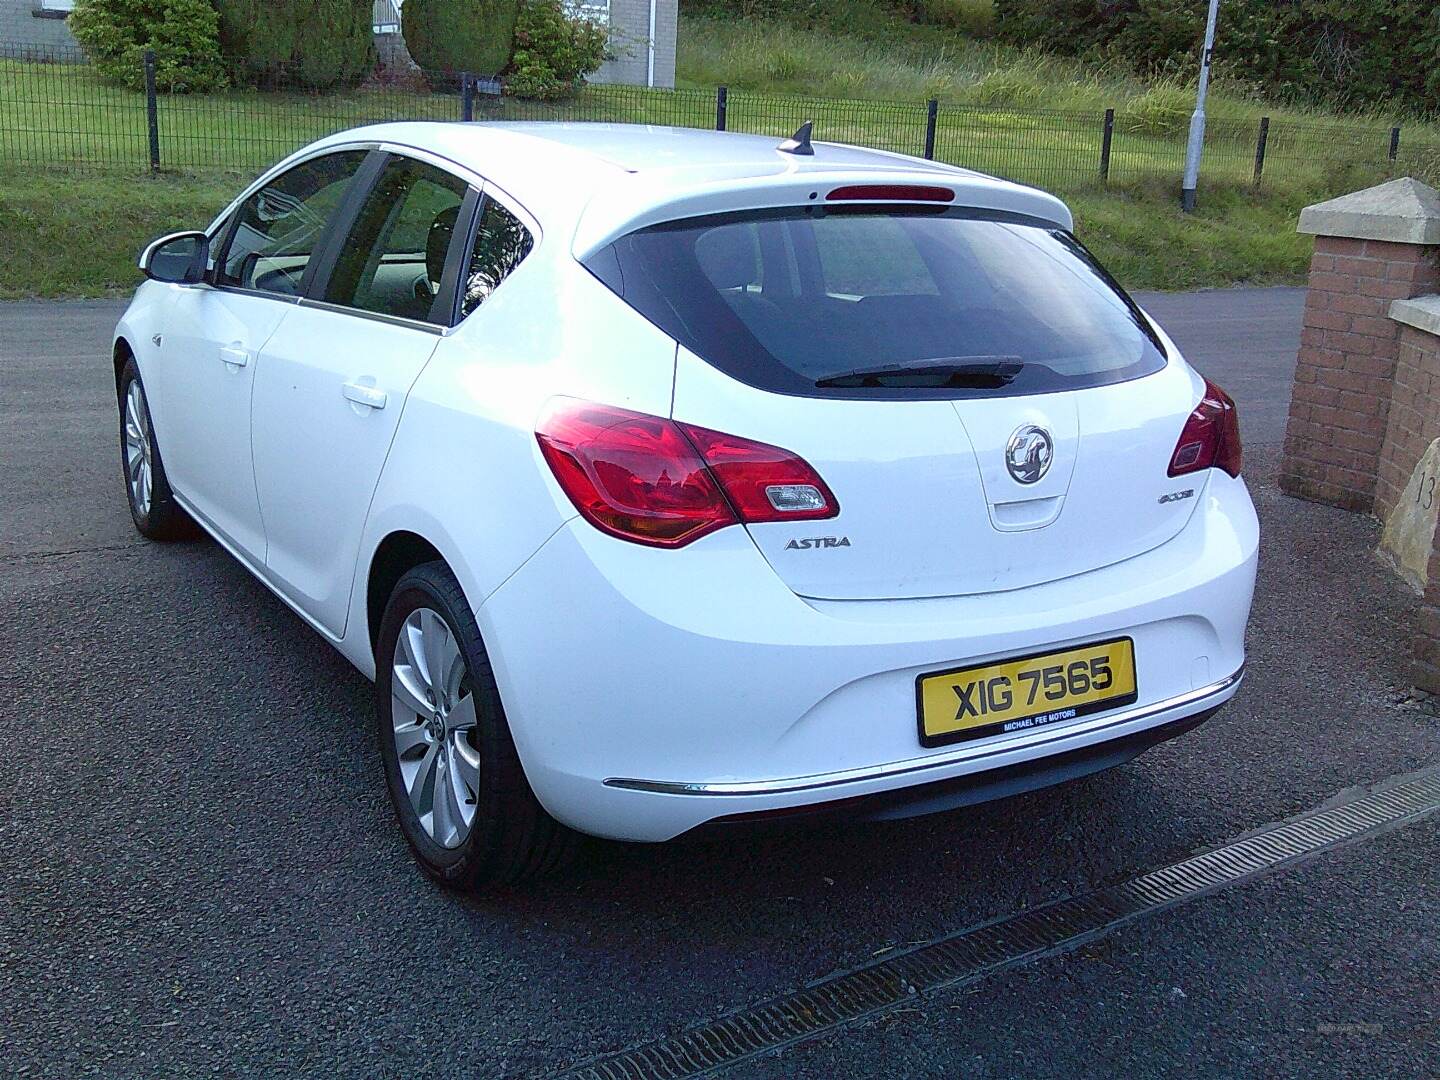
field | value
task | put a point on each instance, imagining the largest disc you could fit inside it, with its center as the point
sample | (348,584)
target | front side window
(885,302)
(279,228)
(393,260)
(501,244)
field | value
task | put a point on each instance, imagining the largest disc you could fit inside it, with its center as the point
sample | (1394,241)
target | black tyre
(152,504)
(455,780)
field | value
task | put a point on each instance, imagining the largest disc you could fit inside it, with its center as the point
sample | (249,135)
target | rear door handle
(369,396)
(234,355)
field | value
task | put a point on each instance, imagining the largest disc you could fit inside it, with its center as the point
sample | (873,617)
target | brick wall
(1414,415)
(1349,348)
(1365,404)
(1414,424)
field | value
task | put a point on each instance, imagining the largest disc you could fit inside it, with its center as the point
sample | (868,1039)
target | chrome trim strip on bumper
(885,772)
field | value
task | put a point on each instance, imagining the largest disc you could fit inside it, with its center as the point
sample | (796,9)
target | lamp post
(1197,119)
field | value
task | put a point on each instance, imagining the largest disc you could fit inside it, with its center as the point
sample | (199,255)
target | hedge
(1347,53)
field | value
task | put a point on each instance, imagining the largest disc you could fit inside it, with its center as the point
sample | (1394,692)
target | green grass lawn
(80,236)
(75,152)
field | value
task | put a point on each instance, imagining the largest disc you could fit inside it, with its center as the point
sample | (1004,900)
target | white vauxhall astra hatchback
(664,478)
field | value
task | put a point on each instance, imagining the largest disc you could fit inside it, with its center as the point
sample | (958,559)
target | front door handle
(369,396)
(234,355)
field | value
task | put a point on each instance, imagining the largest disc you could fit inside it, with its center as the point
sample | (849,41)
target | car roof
(644,147)
(596,180)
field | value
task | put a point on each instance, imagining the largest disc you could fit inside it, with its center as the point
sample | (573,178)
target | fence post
(1260,141)
(1394,146)
(152,110)
(722,102)
(467,97)
(932,111)
(1106,141)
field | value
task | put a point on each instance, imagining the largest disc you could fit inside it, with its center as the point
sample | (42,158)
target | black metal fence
(55,112)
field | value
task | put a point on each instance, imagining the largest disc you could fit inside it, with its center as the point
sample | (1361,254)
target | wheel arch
(120,353)
(397,554)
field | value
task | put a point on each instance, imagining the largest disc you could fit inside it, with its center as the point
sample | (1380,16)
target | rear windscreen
(817,300)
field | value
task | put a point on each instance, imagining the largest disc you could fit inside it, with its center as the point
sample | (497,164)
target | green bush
(1348,53)
(115,35)
(974,18)
(446,37)
(553,53)
(313,44)
(1072,27)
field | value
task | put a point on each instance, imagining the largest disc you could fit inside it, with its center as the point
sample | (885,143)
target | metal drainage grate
(972,954)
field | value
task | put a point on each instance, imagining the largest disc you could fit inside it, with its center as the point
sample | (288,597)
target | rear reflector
(654,481)
(1211,437)
(891,193)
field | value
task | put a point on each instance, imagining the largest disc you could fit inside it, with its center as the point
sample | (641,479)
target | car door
(333,378)
(214,332)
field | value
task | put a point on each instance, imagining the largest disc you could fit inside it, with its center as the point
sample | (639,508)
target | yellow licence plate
(1028,692)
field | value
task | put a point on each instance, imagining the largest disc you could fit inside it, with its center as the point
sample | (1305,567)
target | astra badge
(1029,453)
(818,542)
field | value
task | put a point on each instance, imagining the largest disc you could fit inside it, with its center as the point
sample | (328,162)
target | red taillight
(654,481)
(891,193)
(1211,438)
(763,482)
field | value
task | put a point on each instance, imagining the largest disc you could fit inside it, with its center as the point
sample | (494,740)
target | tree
(449,36)
(317,44)
(116,34)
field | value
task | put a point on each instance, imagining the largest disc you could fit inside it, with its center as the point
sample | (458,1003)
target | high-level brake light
(891,193)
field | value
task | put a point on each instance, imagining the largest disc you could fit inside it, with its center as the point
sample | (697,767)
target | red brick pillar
(1371,248)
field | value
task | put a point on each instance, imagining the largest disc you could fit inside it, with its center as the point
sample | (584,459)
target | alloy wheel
(138,448)
(433,714)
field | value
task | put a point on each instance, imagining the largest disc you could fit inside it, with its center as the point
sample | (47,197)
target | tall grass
(823,54)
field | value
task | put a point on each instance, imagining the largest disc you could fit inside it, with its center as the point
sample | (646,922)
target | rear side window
(393,259)
(501,244)
(278,228)
(811,300)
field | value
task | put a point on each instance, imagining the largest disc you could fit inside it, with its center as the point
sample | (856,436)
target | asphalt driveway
(199,874)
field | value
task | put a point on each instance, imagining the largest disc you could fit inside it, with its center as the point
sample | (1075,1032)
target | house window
(52,9)
(386,16)
(595,11)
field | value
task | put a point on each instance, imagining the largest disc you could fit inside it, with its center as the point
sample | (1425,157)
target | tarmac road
(199,874)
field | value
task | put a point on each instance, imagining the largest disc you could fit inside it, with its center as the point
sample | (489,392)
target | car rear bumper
(650,692)
(1115,727)
(936,796)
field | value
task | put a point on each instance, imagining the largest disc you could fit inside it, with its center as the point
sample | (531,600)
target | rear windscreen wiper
(943,372)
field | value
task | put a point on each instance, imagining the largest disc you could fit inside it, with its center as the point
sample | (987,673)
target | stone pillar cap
(1423,313)
(1404,211)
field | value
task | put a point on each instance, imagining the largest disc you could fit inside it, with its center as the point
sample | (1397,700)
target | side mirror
(181,258)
